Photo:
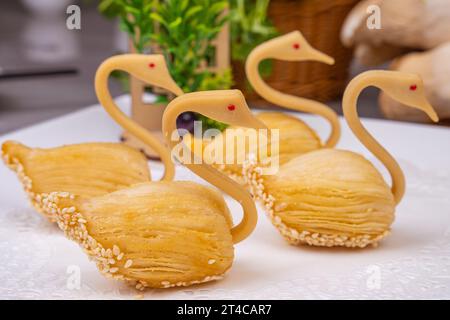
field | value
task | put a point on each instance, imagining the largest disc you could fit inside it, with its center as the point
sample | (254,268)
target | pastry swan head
(293,47)
(227,106)
(408,89)
(146,67)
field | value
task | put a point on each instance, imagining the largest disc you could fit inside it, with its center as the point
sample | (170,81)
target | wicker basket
(320,22)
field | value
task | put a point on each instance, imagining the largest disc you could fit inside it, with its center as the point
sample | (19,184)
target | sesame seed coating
(136,267)
(272,207)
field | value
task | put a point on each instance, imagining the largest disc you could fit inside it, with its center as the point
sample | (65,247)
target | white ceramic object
(413,262)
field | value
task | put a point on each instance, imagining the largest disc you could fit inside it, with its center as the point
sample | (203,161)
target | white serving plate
(413,262)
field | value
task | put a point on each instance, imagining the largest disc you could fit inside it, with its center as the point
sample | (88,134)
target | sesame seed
(116,250)
(255,184)
(73,225)
(128,264)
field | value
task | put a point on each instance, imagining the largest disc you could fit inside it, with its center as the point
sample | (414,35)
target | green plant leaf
(132,10)
(192,11)
(249,26)
(158,18)
(175,23)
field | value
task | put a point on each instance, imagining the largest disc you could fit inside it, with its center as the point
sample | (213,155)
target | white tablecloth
(413,262)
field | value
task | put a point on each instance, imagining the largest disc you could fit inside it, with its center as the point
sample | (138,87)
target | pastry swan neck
(289,101)
(104,96)
(349,105)
(211,175)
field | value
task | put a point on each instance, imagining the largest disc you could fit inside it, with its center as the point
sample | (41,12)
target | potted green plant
(187,36)
(186,32)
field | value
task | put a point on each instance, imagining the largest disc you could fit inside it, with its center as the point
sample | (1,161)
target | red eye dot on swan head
(231,107)
(296,46)
(413,87)
(151,65)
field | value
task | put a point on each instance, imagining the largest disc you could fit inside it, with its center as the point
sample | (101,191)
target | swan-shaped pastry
(334,197)
(167,233)
(295,136)
(93,169)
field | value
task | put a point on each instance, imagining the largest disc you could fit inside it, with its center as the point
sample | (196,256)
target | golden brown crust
(88,170)
(159,235)
(311,202)
(296,138)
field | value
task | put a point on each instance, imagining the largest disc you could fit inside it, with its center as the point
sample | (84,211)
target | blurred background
(47,70)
